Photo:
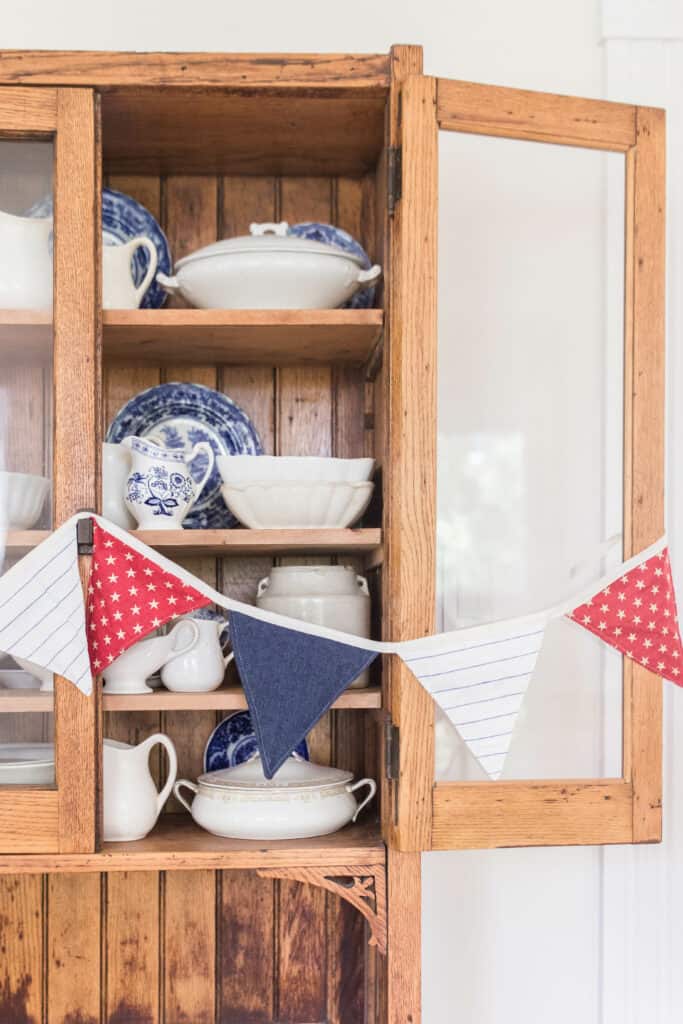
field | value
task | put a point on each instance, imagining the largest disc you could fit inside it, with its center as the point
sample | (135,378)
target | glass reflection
(530,423)
(26,424)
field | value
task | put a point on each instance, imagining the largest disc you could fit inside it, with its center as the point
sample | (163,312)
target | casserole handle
(367,277)
(372,786)
(169,284)
(188,785)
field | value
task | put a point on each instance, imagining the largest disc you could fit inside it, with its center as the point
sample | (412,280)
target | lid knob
(269,228)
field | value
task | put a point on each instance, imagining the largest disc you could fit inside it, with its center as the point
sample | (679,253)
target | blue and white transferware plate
(233,742)
(124,218)
(317,232)
(179,415)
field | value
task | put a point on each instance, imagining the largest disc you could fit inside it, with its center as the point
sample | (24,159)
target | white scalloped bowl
(22,496)
(298,505)
(238,470)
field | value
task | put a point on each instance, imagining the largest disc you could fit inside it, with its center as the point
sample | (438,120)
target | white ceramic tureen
(300,801)
(269,269)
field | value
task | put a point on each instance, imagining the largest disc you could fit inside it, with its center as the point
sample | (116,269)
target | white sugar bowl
(300,801)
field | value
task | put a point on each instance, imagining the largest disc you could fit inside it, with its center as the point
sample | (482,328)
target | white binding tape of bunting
(405,647)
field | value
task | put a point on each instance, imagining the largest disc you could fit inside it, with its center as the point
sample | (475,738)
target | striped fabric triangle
(42,613)
(479,678)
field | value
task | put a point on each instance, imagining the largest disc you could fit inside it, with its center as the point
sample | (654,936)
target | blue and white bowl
(233,742)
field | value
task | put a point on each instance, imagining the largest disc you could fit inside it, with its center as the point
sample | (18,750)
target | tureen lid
(268,238)
(295,774)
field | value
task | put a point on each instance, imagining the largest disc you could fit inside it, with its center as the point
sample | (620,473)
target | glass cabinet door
(536,345)
(48,330)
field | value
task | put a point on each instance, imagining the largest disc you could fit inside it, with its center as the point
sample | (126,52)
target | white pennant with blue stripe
(479,678)
(42,614)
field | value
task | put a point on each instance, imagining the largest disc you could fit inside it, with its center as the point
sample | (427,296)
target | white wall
(515,936)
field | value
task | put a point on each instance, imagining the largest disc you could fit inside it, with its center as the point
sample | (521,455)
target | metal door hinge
(393,177)
(84,535)
(391,750)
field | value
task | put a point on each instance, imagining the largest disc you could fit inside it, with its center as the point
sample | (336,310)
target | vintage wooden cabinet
(184,927)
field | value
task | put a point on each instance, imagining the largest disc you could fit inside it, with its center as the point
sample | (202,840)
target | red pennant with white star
(637,615)
(129,595)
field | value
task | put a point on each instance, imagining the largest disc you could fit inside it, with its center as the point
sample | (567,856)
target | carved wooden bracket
(363,886)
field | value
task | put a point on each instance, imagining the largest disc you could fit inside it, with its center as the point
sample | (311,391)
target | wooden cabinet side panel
(77,355)
(410,490)
(646,254)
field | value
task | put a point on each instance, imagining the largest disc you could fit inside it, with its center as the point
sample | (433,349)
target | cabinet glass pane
(530,427)
(26,169)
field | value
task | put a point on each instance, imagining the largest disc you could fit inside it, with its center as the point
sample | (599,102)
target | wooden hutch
(182,926)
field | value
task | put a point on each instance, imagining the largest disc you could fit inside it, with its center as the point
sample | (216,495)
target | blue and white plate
(233,742)
(124,218)
(328,233)
(179,415)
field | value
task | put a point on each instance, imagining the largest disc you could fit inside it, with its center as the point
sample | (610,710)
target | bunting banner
(129,596)
(636,613)
(479,678)
(42,613)
(292,671)
(290,681)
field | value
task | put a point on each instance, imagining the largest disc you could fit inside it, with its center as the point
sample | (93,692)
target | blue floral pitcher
(160,490)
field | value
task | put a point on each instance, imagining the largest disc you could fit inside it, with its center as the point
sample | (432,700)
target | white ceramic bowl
(269,269)
(16,679)
(247,469)
(27,764)
(297,505)
(22,496)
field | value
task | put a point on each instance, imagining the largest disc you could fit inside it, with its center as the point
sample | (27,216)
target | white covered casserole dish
(269,269)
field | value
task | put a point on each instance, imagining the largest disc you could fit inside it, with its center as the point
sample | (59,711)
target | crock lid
(267,238)
(295,774)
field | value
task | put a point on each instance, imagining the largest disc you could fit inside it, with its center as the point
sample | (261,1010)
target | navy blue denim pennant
(290,680)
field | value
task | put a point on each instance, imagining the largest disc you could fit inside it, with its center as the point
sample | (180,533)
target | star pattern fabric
(637,615)
(129,596)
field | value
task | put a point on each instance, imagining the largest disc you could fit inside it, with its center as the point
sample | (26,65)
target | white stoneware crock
(131,801)
(201,669)
(300,801)
(269,269)
(326,595)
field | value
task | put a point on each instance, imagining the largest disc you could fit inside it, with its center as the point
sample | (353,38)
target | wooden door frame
(429,815)
(64,819)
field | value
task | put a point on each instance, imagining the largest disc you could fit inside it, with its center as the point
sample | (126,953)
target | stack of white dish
(267,492)
(22,496)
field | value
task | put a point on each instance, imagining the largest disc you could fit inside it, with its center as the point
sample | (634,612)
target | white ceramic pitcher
(131,801)
(128,672)
(160,490)
(119,290)
(25,262)
(202,668)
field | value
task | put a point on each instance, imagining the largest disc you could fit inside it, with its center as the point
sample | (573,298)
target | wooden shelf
(178,844)
(226,698)
(224,543)
(19,701)
(25,336)
(274,337)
